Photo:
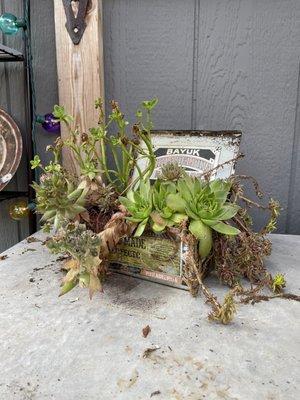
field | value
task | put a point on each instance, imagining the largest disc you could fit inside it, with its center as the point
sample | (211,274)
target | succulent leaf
(141,227)
(175,202)
(68,286)
(225,229)
(204,234)
(169,206)
(139,205)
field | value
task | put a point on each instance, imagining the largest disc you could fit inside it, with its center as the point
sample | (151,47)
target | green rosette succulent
(83,246)
(207,208)
(163,216)
(139,205)
(58,198)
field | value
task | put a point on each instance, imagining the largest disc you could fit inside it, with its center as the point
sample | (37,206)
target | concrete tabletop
(71,348)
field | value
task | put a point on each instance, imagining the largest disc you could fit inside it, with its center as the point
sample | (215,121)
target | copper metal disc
(10,148)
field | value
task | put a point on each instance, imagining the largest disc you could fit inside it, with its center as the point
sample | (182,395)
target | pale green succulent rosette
(163,216)
(58,199)
(139,205)
(167,204)
(206,206)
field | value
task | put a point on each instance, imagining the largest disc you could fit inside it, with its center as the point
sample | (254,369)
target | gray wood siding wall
(213,64)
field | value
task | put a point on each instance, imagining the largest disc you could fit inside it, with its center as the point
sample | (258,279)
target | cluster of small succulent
(171,172)
(95,149)
(203,205)
(103,197)
(206,212)
(61,197)
(83,246)
(58,197)
(66,201)
(278,283)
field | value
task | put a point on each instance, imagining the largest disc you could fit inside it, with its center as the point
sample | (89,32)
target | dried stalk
(194,268)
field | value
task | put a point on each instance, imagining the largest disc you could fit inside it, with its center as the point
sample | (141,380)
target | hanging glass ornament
(10,24)
(49,123)
(20,209)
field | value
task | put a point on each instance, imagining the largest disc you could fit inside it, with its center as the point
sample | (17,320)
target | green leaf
(221,189)
(75,194)
(225,229)
(198,229)
(77,209)
(176,203)
(141,227)
(125,202)
(170,187)
(150,104)
(130,195)
(177,218)
(220,185)
(35,162)
(210,222)
(167,212)
(57,221)
(157,218)
(68,286)
(47,215)
(139,114)
(134,219)
(205,245)
(197,186)
(84,279)
(184,189)
(229,211)
(60,114)
(204,234)
(144,189)
(204,214)
(158,228)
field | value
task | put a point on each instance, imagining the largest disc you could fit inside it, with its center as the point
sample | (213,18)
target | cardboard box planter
(161,258)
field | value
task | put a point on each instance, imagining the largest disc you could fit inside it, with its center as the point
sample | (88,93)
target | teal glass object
(10,24)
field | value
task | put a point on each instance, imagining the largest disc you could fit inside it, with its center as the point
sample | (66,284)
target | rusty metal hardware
(76,24)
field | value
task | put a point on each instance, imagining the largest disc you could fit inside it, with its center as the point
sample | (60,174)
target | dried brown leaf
(71,264)
(146,331)
(71,275)
(95,285)
(149,351)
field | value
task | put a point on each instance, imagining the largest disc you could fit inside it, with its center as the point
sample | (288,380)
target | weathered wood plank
(148,52)
(80,70)
(247,80)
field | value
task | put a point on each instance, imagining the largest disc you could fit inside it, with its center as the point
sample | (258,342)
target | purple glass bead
(51,124)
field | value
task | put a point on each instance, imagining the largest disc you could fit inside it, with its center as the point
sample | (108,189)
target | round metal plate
(10,148)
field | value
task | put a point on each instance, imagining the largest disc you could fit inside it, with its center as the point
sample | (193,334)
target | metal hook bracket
(76,23)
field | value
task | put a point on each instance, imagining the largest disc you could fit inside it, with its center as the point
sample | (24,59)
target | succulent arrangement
(90,212)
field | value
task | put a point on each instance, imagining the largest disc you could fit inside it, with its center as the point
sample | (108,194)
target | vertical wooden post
(80,70)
